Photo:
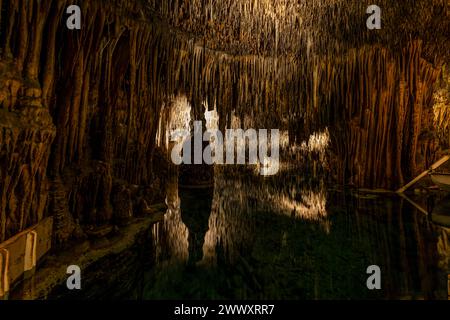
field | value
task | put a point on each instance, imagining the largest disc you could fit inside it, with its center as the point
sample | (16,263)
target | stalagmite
(83,107)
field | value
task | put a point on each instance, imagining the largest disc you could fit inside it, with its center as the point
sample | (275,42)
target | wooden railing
(21,253)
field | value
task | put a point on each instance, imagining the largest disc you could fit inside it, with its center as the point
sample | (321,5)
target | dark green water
(287,238)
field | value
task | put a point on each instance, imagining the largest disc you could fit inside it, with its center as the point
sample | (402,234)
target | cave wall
(26,134)
(379,105)
(80,109)
(79,114)
(441,107)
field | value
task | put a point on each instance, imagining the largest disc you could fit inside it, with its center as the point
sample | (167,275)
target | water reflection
(195,211)
(288,237)
(171,236)
(240,198)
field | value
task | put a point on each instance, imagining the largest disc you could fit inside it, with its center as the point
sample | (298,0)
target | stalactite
(23,33)
(306,65)
(50,60)
(39,19)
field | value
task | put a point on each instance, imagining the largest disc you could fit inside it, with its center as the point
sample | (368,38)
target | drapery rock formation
(80,109)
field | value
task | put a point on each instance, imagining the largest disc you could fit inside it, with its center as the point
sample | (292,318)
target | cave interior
(86,113)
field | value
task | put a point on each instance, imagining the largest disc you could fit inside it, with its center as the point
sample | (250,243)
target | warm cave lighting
(171,235)
(318,142)
(175,116)
(180,116)
(267,166)
(211,117)
(215,158)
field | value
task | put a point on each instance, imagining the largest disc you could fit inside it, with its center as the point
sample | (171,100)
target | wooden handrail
(435,165)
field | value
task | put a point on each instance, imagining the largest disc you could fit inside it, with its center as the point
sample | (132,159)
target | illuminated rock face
(26,135)
(274,27)
(84,110)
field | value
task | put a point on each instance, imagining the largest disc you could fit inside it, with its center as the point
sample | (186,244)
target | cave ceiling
(291,27)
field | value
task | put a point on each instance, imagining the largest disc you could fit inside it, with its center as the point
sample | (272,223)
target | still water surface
(288,237)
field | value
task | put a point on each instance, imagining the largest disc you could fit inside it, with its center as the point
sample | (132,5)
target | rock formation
(80,109)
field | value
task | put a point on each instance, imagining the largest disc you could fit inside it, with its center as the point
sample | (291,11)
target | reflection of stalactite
(236,199)
(403,241)
(443,249)
(311,207)
(171,236)
(228,225)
